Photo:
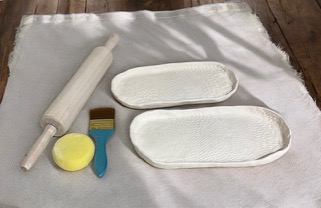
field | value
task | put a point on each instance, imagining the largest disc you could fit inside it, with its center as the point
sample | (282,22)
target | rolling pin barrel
(67,105)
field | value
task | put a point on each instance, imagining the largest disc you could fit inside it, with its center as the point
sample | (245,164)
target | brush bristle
(102,118)
(102,113)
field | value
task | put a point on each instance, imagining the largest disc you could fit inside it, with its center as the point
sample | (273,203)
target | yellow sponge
(73,151)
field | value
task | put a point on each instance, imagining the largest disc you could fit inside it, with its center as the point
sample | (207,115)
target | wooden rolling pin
(64,109)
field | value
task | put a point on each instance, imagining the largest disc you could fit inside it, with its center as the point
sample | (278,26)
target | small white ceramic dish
(174,84)
(231,136)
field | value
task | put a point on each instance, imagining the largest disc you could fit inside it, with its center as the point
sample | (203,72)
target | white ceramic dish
(174,84)
(231,136)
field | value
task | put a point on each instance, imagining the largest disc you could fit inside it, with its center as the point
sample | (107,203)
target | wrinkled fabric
(50,48)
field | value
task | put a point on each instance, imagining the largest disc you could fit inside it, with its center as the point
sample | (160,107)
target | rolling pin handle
(48,132)
(112,42)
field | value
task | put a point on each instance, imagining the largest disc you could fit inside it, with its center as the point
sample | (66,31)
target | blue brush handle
(100,137)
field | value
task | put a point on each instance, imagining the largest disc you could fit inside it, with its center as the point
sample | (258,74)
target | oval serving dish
(174,84)
(227,136)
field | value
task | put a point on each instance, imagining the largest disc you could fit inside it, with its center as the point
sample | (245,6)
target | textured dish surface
(174,84)
(210,137)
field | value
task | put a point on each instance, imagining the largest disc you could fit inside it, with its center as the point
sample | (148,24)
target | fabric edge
(141,14)
(20,30)
(285,57)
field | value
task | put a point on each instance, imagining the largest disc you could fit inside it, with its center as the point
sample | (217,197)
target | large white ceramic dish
(174,84)
(231,136)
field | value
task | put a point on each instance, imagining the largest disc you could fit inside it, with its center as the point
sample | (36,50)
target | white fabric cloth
(49,50)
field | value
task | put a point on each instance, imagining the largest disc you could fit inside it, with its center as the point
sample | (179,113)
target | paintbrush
(101,127)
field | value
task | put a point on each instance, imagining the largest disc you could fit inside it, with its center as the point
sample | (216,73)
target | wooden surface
(292,24)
